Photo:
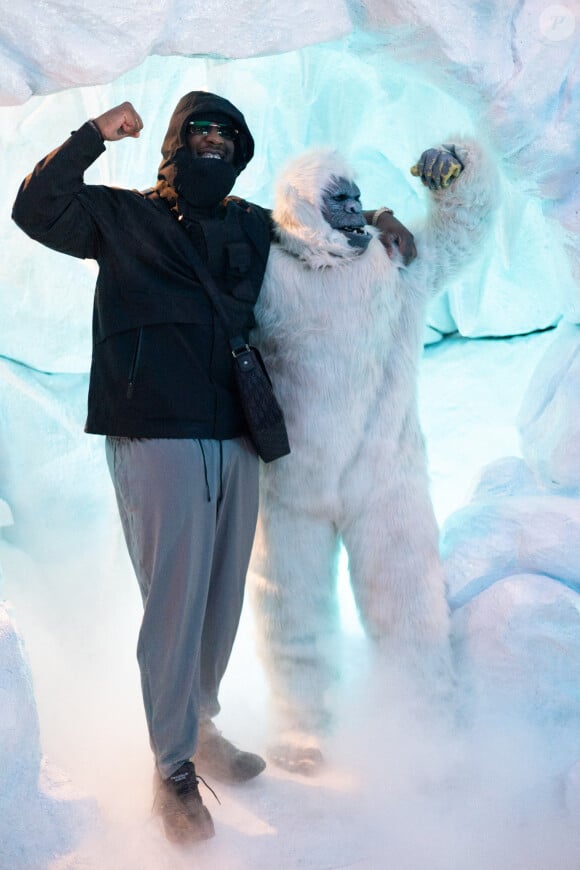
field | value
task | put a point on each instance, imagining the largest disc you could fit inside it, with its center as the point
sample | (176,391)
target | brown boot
(178,802)
(219,758)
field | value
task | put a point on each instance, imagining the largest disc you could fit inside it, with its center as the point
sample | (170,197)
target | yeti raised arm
(463,192)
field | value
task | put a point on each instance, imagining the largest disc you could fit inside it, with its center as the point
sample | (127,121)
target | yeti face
(341,208)
(317,212)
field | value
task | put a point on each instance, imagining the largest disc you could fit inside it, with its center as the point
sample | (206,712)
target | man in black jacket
(162,391)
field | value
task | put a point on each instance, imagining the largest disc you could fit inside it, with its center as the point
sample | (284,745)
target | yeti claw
(305,760)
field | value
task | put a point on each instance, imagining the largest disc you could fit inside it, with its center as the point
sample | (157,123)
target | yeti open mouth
(357,238)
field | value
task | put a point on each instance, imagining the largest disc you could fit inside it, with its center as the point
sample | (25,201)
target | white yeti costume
(341,333)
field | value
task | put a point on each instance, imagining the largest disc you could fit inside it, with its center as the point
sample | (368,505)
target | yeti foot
(297,756)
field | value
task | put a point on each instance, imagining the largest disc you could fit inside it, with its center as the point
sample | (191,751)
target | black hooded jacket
(161,365)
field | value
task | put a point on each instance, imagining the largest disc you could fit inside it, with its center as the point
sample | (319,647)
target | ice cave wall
(379,81)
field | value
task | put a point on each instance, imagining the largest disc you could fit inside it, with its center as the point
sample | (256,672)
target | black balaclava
(184,180)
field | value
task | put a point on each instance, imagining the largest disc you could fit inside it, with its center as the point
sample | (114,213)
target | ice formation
(381,82)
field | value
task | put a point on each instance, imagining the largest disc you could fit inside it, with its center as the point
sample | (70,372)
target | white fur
(341,335)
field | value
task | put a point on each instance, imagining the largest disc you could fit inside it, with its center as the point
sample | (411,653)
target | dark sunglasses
(202,128)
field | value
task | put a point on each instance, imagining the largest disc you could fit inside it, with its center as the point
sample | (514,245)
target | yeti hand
(438,167)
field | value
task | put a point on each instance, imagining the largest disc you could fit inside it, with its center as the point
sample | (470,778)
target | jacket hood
(299,223)
(203,103)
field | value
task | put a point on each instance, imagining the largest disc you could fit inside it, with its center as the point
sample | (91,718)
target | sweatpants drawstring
(205,469)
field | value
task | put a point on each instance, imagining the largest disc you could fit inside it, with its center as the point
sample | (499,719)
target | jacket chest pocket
(238,258)
(238,268)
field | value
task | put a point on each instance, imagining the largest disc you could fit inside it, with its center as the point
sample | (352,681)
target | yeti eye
(343,197)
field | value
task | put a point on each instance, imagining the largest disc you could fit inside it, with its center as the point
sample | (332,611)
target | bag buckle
(243,355)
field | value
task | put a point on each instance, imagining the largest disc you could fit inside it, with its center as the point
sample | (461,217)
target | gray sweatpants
(188,509)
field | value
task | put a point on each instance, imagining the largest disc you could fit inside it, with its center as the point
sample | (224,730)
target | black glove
(438,167)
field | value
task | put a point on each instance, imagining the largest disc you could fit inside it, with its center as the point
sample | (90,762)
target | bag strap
(237,343)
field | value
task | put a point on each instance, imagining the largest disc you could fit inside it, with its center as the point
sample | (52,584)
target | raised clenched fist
(438,167)
(120,122)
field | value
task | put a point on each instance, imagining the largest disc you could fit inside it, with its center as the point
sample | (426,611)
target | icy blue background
(380,81)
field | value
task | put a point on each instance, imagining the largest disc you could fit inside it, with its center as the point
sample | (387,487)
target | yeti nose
(353,206)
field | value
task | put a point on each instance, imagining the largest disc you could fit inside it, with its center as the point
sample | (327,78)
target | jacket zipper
(134,364)
(211,378)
